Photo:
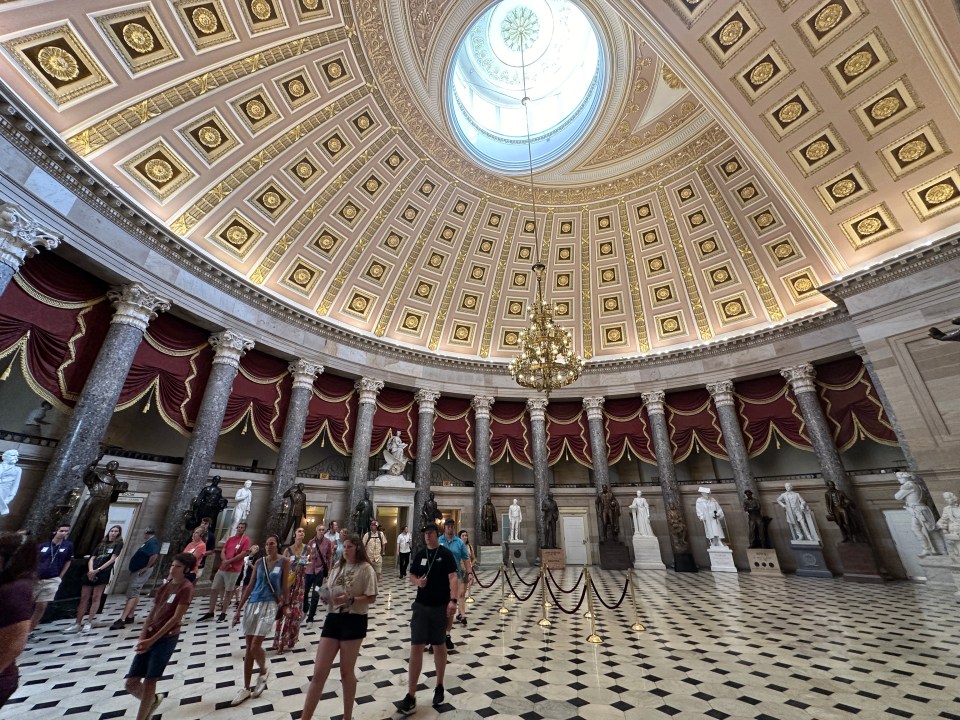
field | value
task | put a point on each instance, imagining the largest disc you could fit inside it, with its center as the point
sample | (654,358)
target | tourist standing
(99,568)
(404,545)
(322,548)
(262,600)
(464,567)
(466,581)
(159,636)
(350,589)
(235,549)
(198,548)
(141,568)
(288,622)
(373,543)
(53,561)
(18,561)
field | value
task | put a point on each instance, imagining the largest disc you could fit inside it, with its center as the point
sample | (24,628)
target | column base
(763,561)
(721,559)
(809,559)
(646,553)
(858,563)
(684,562)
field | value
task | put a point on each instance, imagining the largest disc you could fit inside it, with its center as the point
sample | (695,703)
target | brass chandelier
(547,360)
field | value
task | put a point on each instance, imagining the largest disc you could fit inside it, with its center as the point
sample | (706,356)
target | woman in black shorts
(93,583)
(350,588)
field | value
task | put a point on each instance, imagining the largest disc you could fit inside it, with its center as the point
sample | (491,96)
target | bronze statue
(209,502)
(91,523)
(950,335)
(488,522)
(608,512)
(751,506)
(363,514)
(292,511)
(843,511)
(551,513)
(431,512)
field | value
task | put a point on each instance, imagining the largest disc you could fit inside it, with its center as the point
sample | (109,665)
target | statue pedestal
(391,481)
(490,556)
(858,563)
(809,559)
(942,572)
(763,561)
(516,553)
(552,558)
(721,559)
(646,553)
(614,555)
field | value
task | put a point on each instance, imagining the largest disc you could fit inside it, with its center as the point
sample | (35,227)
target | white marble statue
(803,528)
(949,524)
(711,515)
(9,480)
(516,517)
(241,510)
(640,511)
(923,523)
(394,459)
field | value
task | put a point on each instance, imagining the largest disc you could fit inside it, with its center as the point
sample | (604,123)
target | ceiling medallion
(271,200)
(939,194)
(137,37)
(843,188)
(817,150)
(58,63)
(884,108)
(204,20)
(913,150)
(828,17)
(868,226)
(731,32)
(210,136)
(790,112)
(160,171)
(761,73)
(857,63)
(296,88)
(261,9)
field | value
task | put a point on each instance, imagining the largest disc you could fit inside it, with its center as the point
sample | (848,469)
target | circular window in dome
(549,47)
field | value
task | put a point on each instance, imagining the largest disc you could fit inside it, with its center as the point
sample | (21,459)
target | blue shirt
(265,589)
(143,554)
(459,550)
(52,558)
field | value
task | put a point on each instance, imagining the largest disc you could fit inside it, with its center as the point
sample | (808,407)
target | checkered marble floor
(714,646)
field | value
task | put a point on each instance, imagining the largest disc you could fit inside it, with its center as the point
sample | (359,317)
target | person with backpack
(141,569)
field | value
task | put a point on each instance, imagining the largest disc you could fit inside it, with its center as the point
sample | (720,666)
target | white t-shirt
(404,541)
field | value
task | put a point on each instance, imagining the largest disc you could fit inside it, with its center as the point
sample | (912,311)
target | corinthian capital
(537,407)
(304,372)
(654,401)
(426,399)
(228,347)
(800,377)
(481,406)
(136,306)
(594,407)
(721,392)
(368,389)
(21,236)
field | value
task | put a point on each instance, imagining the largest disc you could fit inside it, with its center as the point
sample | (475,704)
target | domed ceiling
(741,155)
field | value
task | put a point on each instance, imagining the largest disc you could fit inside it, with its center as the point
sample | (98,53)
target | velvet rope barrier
(561,608)
(565,592)
(514,591)
(520,578)
(477,578)
(626,586)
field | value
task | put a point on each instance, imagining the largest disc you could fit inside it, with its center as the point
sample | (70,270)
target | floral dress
(288,624)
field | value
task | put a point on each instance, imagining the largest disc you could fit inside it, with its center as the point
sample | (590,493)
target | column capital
(537,407)
(21,236)
(654,401)
(368,389)
(594,407)
(304,372)
(800,377)
(481,405)
(721,392)
(426,399)
(136,306)
(228,347)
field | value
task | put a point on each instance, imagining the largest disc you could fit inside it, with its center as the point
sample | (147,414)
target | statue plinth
(646,553)
(721,559)
(809,558)
(614,555)
(391,481)
(858,563)
(552,558)
(942,572)
(763,561)
(517,553)
(490,556)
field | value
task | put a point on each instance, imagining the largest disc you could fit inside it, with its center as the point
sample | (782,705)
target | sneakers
(129,621)
(261,683)
(205,617)
(72,630)
(221,617)
(438,696)
(157,699)
(407,706)
(87,627)
(117,625)
(449,643)
(242,695)
(462,619)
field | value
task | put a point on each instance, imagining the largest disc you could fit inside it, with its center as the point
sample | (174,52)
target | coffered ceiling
(746,154)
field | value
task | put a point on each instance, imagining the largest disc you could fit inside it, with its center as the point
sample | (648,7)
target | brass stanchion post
(586,576)
(633,598)
(544,620)
(588,584)
(503,592)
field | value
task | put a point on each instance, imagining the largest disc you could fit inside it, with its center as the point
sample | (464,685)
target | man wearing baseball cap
(433,570)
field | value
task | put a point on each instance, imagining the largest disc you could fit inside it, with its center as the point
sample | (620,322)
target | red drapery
(768,411)
(692,421)
(567,431)
(628,430)
(453,430)
(261,393)
(395,412)
(851,404)
(331,412)
(510,433)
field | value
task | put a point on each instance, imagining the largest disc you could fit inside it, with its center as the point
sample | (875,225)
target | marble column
(426,412)
(304,373)
(368,390)
(20,238)
(483,476)
(598,441)
(800,378)
(672,505)
(228,348)
(80,444)
(537,407)
(722,394)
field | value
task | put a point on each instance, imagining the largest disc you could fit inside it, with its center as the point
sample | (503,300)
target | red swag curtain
(627,429)
(768,411)
(261,393)
(453,430)
(510,433)
(692,421)
(395,411)
(567,429)
(172,365)
(851,404)
(331,413)
(54,318)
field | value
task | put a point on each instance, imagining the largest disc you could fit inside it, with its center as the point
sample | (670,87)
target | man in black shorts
(434,571)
